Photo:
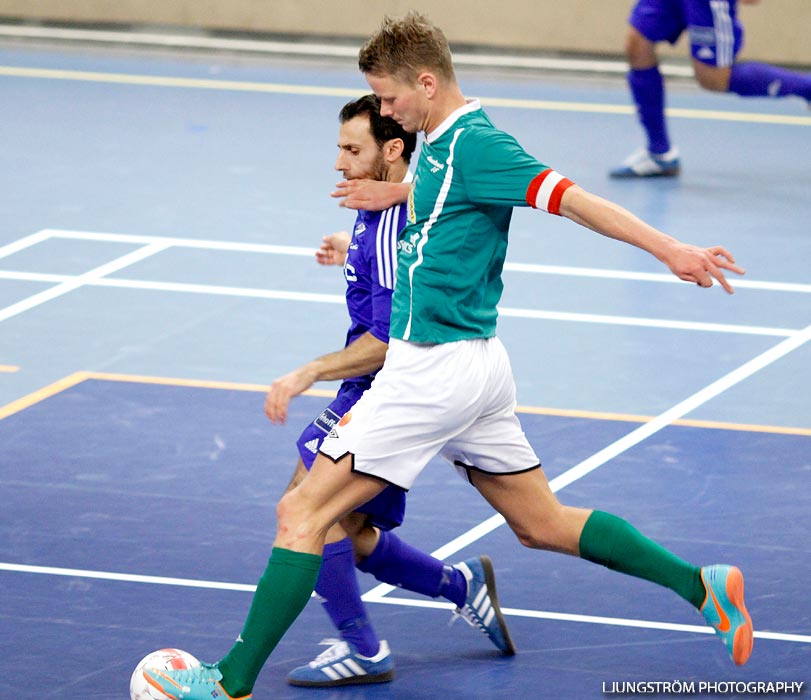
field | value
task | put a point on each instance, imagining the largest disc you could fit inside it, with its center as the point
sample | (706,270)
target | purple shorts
(716,36)
(387,509)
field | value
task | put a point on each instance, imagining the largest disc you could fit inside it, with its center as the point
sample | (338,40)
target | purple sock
(338,585)
(398,563)
(751,79)
(648,91)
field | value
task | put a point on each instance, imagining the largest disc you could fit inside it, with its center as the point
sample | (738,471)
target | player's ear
(427,82)
(393,150)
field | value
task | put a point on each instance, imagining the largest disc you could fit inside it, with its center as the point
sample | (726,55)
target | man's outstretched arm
(687,262)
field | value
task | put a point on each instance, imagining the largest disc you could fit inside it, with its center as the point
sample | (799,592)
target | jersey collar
(471,106)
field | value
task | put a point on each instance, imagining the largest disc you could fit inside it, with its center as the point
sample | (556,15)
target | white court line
(666,277)
(131,578)
(24,243)
(598,620)
(256,293)
(564,270)
(201,243)
(409,602)
(80,280)
(625,443)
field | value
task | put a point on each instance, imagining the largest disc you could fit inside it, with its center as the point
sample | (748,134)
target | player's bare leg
(540,521)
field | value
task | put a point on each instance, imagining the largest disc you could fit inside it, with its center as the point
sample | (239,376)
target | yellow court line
(172,381)
(323,91)
(78,377)
(685,422)
(199,383)
(9,368)
(42,394)
(168,81)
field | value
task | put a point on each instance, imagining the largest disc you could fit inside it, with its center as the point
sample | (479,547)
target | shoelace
(186,676)
(469,615)
(337,650)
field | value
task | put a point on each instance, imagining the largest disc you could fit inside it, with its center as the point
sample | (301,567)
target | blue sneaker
(340,665)
(643,163)
(481,609)
(201,683)
(724,610)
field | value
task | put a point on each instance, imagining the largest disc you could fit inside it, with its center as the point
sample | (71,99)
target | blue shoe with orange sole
(724,610)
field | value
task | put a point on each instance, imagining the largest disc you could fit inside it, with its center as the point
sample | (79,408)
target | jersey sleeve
(383,269)
(497,170)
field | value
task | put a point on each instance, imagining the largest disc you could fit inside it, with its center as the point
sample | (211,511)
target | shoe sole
(674,172)
(743,640)
(490,580)
(386,677)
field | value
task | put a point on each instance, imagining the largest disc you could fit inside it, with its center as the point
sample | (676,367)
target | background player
(716,37)
(370,147)
(446,385)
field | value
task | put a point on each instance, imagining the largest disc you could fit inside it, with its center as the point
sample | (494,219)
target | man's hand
(285,388)
(700,265)
(371,195)
(333,249)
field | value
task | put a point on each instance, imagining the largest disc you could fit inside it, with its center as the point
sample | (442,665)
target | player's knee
(535,537)
(551,532)
(710,77)
(353,524)
(364,542)
(292,513)
(640,52)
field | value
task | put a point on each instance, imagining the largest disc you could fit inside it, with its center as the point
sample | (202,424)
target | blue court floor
(139,513)
(158,216)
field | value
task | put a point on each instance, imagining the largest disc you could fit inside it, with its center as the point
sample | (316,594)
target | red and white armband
(546,190)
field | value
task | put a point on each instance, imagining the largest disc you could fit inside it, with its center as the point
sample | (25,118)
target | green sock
(281,595)
(615,543)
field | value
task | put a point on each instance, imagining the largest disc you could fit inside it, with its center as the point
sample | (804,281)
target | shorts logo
(312,445)
(327,420)
(702,36)
(345,419)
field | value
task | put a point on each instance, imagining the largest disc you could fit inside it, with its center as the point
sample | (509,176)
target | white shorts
(454,399)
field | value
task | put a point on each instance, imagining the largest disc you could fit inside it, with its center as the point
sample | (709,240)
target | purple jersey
(716,36)
(370,267)
(371,262)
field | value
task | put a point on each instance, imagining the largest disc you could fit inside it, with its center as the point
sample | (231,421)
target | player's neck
(397,171)
(445,102)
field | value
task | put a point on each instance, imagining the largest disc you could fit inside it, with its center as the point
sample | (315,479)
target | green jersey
(450,256)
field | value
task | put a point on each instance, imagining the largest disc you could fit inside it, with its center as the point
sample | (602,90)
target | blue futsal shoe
(481,609)
(724,609)
(341,665)
(643,163)
(200,683)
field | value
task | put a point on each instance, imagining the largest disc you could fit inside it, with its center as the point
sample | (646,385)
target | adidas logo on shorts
(312,445)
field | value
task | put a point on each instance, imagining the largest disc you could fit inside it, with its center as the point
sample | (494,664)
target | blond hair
(403,47)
